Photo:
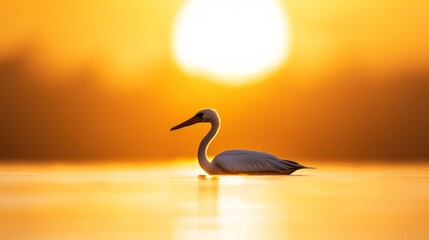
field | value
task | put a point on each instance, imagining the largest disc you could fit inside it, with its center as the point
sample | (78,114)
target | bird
(232,162)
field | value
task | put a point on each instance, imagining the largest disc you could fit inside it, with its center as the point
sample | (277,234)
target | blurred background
(100,80)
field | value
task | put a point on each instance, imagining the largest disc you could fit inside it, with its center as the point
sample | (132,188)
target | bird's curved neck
(202,150)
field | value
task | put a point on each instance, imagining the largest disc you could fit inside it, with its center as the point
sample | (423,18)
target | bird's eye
(199,115)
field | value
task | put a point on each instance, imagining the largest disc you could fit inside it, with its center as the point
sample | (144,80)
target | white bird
(235,161)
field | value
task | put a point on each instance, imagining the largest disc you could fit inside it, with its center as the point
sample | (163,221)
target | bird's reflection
(208,222)
(233,207)
(196,209)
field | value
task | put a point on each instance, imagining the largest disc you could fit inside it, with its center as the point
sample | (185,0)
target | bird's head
(204,115)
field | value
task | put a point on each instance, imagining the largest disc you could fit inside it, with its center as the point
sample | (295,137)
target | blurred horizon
(98,81)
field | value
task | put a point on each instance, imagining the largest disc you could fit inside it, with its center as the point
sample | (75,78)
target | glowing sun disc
(230,41)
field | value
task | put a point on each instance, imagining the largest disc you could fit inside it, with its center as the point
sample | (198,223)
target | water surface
(176,201)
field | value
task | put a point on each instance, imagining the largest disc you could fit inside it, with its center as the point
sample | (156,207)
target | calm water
(174,201)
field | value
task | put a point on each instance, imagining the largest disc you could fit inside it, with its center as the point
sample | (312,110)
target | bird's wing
(253,162)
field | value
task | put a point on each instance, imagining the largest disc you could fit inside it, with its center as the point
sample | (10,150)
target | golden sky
(99,79)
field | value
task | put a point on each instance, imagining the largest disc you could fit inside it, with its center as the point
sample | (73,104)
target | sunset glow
(231,42)
(337,78)
(90,91)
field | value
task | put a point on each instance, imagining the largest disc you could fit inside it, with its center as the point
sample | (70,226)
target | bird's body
(253,162)
(235,161)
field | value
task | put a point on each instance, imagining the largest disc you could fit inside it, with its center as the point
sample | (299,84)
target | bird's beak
(189,122)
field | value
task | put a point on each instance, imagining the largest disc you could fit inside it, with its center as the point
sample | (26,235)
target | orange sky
(98,80)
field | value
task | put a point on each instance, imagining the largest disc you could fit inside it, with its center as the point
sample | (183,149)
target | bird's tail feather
(308,167)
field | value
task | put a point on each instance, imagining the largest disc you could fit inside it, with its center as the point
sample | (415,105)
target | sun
(230,41)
